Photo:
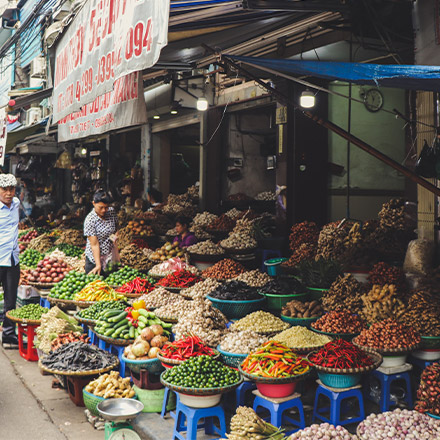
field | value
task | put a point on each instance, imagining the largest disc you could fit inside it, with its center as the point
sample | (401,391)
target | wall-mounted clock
(373,100)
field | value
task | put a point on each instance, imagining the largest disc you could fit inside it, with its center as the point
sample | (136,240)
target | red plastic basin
(274,390)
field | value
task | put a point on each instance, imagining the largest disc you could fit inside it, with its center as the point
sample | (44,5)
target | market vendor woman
(184,238)
(99,228)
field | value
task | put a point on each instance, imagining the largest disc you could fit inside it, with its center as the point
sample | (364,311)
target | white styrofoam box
(26,292)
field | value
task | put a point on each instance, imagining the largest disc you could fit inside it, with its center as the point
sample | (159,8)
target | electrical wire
(223,115)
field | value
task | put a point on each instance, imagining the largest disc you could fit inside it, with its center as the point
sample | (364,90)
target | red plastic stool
(27,351)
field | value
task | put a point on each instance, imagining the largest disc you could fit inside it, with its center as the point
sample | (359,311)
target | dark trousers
(9,279)
(89,265)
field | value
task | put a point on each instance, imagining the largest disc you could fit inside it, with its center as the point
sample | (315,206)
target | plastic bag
(419,256)
(426,163)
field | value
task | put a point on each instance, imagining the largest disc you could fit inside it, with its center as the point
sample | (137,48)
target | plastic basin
(276,390)
(273,266)
(339,380)
(393,361)
(316,293)
(276,302)
(200,401)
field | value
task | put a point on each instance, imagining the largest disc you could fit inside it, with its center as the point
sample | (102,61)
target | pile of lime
(72,283)
(123,275)
(30,258)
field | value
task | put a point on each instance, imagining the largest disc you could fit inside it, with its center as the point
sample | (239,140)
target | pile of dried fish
(77,357)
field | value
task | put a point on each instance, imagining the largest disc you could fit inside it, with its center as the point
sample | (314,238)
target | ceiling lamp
(307,99)
(202,104)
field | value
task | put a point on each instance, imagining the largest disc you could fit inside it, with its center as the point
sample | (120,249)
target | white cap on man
(7,180)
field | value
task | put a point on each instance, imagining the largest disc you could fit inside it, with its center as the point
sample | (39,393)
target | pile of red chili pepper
(273,359)
(140,243)
(180,278)
(138,286)
(185,348)
(341,354)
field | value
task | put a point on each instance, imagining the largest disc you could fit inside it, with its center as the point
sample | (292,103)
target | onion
(158,341)
(140,348)
(157,329)
(147,334)
(153,352)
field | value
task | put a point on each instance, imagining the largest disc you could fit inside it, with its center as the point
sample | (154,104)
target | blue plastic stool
(118,350)
(420,363)
(267,254)
(166,398)
(192,417)
(240,392)
(93,338)
(336,398)
(44,302)
(385,388)
(277,417)
(102,344)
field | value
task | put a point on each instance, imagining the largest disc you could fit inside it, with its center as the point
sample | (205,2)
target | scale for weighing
(118,414)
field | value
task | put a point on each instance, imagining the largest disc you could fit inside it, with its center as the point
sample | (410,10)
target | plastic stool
(27,351)
(385,388)
(240,392)
(118,350)
(420,363)
(93,337)
(267,254)
(166,398)
(102,344)
(277,407)
(336,398)
(44,302)
(192,417)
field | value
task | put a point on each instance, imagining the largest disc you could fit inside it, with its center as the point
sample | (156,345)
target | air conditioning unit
(38,68)
(33,115)
(35,82)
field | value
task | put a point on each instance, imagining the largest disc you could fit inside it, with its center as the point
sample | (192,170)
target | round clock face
(124,434)
(373,100)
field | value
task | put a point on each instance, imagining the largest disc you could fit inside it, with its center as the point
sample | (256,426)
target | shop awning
(385,75)
(16,136)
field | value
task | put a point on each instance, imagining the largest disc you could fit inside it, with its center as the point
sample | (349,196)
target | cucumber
(132,332)
(146,314)
(117,332)
(143,319)
(117,318)
(121,323)
(110,313)
(141,325)
(108,331)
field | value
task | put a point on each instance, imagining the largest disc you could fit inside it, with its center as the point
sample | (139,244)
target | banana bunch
(246,425)
(98,291)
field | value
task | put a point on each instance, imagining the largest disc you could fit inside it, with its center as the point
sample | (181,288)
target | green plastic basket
(237,309)
(276,302)
(303,322)
(91,402)
(153,399)
(316,293)
(231,359)
(430,342)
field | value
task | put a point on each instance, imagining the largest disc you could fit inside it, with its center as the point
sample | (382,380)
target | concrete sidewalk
(31,408)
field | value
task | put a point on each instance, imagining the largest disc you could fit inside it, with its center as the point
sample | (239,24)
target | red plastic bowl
(275,390)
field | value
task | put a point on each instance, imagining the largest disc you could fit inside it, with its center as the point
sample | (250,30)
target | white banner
(3,135)
(122,107)
(107,40)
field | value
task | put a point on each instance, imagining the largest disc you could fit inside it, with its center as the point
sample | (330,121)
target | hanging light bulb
(307,99)
(202,104)
(156,117)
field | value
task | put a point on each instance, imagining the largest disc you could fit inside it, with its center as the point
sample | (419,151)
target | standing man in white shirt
(9,252)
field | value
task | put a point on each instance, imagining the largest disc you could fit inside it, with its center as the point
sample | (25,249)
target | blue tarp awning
(385,75)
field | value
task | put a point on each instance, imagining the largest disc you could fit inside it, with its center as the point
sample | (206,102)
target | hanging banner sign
(122,107)
(3,135)
(107,40)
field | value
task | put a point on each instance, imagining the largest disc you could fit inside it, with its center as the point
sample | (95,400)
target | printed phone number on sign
(86,126)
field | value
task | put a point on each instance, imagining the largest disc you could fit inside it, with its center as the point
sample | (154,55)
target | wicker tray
(80,373)
(239,251)
(388,351)
(23,321)
(88,322)
(377,360)
(169,361)
(200,391)
(274,380)
(170,319)
(46,286)
(307,350)
(211,258)
(174,289)
(345,336)
(120,342)
(71,302)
